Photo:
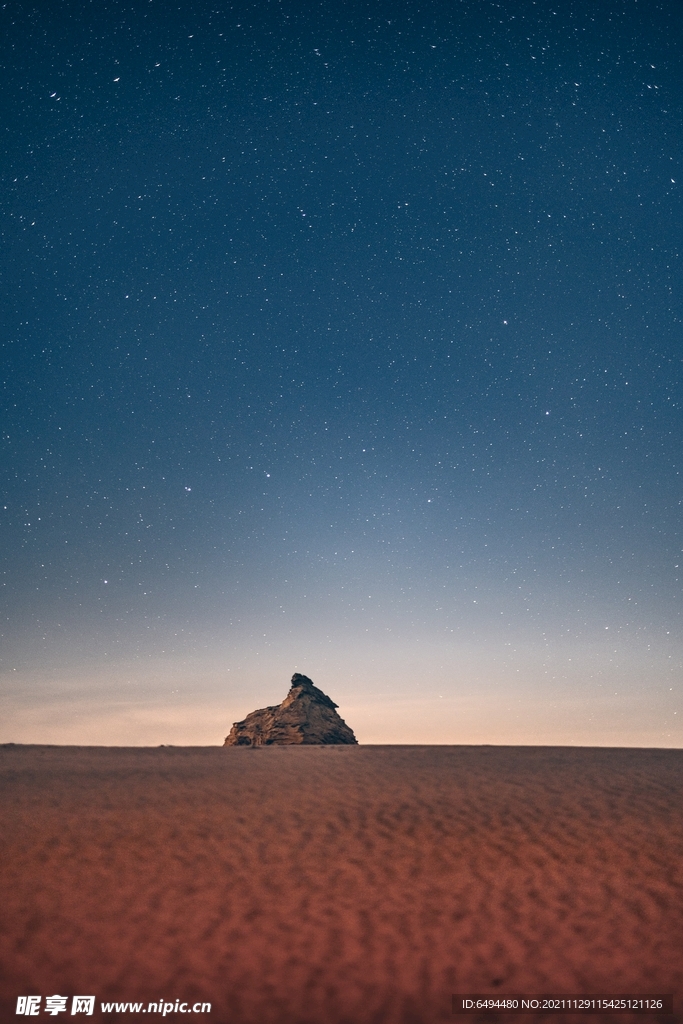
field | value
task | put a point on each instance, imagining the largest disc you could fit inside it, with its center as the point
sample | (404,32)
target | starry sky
(342,339)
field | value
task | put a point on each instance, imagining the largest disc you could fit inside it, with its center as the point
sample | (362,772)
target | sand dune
(339,884)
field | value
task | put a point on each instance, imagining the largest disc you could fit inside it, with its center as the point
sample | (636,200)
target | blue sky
(343,341)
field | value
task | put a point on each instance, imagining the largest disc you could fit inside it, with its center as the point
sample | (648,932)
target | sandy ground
(339,884)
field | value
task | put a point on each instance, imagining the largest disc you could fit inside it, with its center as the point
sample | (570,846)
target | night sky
(342,338)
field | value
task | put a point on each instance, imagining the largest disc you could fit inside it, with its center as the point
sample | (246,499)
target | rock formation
(306,715)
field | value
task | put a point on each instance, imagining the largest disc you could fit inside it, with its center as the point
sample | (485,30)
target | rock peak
(305,716)
(303,685)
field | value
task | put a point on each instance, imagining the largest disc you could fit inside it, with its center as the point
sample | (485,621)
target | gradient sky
(346,339)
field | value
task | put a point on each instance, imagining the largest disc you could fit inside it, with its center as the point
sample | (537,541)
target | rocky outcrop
(306,715)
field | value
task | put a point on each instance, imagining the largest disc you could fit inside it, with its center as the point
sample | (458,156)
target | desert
(311,884)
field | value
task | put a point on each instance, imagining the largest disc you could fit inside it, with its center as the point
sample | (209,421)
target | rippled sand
(339,884)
